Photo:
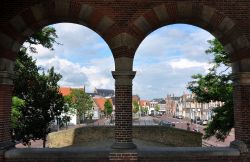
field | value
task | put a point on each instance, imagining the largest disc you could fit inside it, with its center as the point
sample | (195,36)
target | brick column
(123,109)
(242,111)
(6,87)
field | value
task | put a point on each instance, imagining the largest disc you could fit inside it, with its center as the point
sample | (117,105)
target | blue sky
(165,60)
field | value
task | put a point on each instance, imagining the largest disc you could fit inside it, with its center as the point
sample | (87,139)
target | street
(182,124)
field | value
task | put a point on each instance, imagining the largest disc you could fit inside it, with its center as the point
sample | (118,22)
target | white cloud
(170,42)
(78,40)
(185,63)
(83,59)
(76,75)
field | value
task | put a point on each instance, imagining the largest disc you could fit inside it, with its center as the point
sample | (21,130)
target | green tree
(81,103)
(108,109)
(135,107)
(45,37)
(144,110)
(25,67)
(216,86)
(67,112)
(39,92)
(42,104)
(17,105)
(157,107)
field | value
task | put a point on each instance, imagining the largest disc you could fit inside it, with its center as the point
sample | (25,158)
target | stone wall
(165,135)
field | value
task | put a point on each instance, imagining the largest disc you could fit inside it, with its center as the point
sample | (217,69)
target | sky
(164,61)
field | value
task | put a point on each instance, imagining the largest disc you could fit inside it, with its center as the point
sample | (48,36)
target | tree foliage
(144,110)
(157,107)
(80,102)
(40,102)
(17,105)
(45,37)
(216,85)
(108,109)
(135,107)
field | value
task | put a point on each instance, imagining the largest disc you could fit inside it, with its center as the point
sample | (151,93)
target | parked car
(179,117)
(158,115)
(204,122)
(166,123)
(197,120)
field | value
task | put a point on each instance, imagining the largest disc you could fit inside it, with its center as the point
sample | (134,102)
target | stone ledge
(80,153)
(6,145)
(117,145)
(61,153)
(240,145)
(188,151)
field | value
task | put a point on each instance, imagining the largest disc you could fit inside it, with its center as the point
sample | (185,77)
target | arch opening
(165,62)
(85,61)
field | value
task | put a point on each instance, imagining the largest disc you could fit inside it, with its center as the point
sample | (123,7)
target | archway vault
(30,20)
(208,18)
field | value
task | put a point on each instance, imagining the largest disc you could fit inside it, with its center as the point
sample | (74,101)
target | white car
(204,122)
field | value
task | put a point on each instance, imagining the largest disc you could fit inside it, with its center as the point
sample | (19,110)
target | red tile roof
(144,102)
(101,101)
(65,91)
(135,98)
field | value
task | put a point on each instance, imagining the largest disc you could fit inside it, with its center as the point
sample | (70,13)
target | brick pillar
(242,111)
(123,156)
(6,87)
(123,109)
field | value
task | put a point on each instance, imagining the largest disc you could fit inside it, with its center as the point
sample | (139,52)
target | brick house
(189,108)
(171,105)
(99,108)
(144,104)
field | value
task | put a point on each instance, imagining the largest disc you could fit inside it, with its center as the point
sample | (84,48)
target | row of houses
(184,106)
(98,96)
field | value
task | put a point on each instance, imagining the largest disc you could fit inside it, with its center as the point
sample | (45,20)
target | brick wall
(123,157)
(241,111)
(123,119)
(5,109)
(159,134)
(123,25)
(227,20)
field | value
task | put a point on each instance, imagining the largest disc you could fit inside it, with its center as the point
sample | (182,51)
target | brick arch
(27,22)
(31,19)
(203,16)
